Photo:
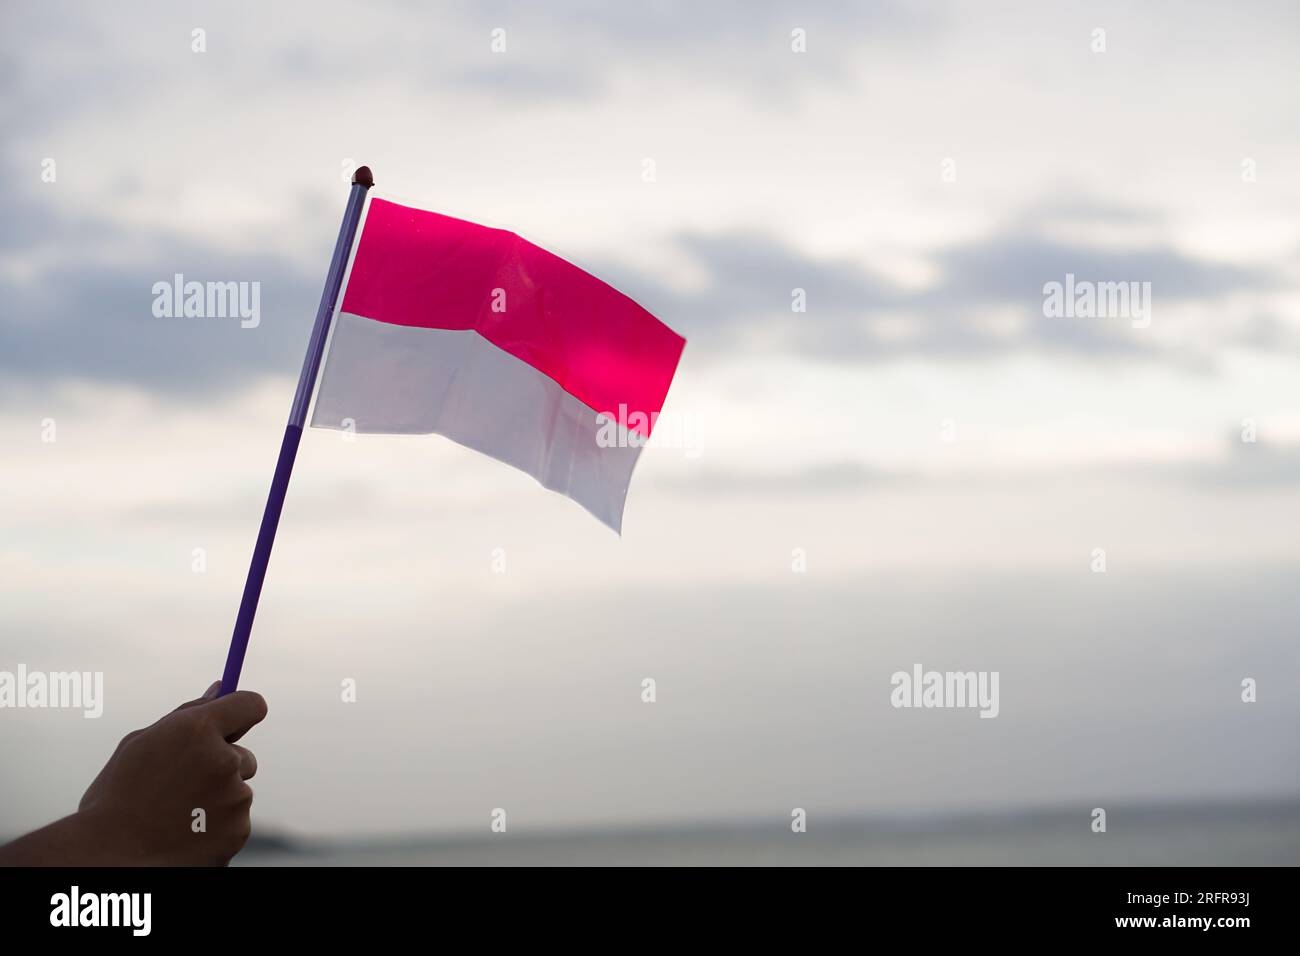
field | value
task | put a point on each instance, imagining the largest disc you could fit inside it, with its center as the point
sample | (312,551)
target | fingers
(236,713)
(208,695)
(247,763)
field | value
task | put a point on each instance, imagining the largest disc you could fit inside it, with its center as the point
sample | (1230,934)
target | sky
(919,467)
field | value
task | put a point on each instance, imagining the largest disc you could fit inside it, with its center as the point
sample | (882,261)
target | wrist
(84,838)
(106,838)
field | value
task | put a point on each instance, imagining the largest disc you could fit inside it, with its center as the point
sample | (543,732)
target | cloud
(1246,466)
(854,313)
(833,477)
(1012,267)
(557,56)
(76,285)
(78,306)
(83,311)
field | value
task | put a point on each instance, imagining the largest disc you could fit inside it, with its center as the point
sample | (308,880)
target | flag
(453,328)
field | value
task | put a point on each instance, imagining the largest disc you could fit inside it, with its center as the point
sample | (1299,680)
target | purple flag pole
(362,180)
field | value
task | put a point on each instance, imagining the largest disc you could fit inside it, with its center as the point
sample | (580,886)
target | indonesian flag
(454,328)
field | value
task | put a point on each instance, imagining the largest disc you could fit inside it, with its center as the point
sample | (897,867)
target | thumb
(208,695)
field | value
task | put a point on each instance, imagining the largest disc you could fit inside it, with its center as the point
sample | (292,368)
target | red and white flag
(454,328)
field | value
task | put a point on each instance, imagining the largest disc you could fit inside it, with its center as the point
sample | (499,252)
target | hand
(142,806)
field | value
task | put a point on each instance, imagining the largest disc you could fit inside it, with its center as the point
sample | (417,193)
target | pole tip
(363,177)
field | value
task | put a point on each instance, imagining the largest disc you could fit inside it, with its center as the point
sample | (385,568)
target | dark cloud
(1012,268)
(88,316)
(853,312)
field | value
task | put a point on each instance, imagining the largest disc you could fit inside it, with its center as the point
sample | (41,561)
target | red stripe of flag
(419,268)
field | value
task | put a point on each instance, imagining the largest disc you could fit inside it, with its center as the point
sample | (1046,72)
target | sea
(1236,834)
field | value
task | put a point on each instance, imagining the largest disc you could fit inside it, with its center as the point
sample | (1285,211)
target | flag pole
(362,180)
